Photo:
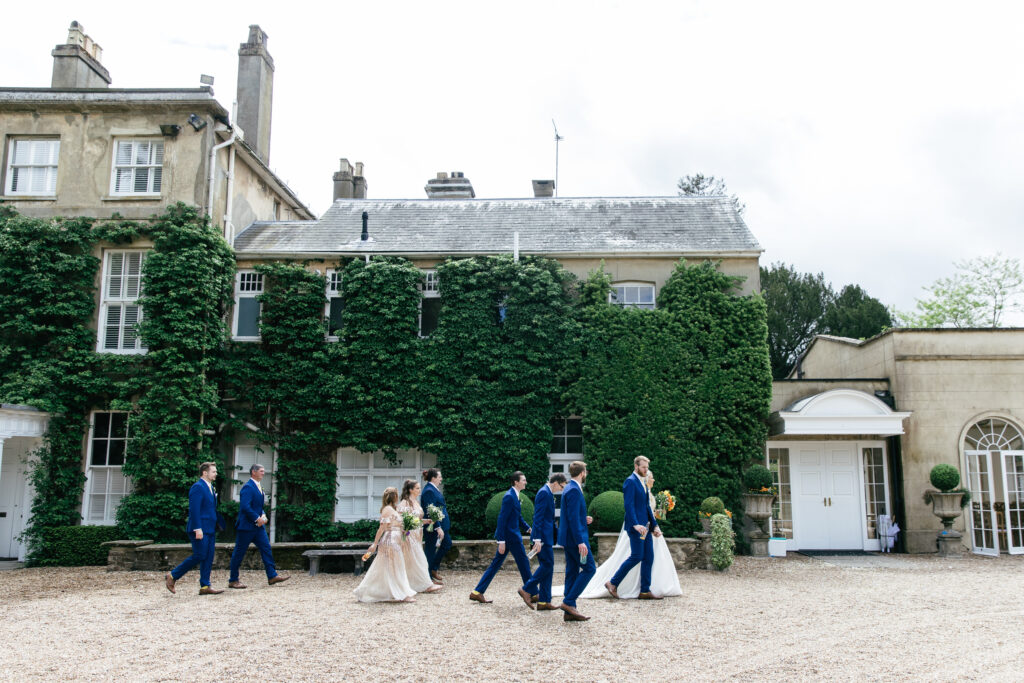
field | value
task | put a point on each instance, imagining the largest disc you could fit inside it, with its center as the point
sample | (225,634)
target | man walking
(640,525)
(543,536)
(250,527)
(572,535)
(438,542)
(507,533)
(201,528)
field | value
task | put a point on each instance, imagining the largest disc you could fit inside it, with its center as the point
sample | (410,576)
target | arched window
(993,434)
(993,454)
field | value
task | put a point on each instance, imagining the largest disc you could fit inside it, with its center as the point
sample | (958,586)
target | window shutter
(132,314)
(116,272)
(98,497)
(112,338)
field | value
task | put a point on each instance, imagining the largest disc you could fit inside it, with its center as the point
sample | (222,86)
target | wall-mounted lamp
(196,122)
(170,130)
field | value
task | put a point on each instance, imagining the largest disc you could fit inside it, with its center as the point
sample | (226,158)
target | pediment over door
(838,412)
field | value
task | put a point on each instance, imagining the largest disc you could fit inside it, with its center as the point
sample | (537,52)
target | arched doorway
(993,451)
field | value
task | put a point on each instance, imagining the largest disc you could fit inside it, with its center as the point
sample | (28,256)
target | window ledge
(246,339)
(28,198)
(124,352)
(132,198)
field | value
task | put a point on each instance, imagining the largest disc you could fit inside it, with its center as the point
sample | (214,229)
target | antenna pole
(558,138)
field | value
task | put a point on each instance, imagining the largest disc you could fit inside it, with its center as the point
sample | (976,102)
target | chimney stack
(543,188)
(76,64)
(457,186)
(349,182)
(255,91)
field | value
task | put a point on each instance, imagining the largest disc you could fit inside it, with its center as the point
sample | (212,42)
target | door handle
(830,501)
(824,502)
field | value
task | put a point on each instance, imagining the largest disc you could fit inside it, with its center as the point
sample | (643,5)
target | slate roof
(567,226)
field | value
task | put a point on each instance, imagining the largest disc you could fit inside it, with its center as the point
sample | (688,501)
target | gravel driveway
(923,618)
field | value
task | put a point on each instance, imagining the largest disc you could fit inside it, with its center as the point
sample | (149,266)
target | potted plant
(759,496)
(710,506)
(948,501)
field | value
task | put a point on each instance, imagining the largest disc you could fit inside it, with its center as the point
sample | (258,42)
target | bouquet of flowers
(410,522)
(664,502)
(435,514)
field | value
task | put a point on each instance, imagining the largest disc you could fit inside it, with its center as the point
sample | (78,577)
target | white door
(1013,494)
(982,520)
(827,506)
(12,495)
(844,497)
(810,479)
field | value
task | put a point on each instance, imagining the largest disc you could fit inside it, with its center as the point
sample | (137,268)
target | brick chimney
(543,188)
(349,182)
(456,186)
(76,64)
(255,91)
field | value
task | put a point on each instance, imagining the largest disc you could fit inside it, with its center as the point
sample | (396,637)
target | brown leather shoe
(207,590)
(169,582)
(610,587)
(436,577)
(648,596)
(277,579)
(571,614)
(534,599)
(545,606)
(236,584)
(526,597)
(479,597)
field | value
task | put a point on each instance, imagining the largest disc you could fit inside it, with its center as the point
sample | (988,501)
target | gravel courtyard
(903,618)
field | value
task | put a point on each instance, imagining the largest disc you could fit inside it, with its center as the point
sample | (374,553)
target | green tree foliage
(687,385)
(979,294)
(700,185)
(852,313)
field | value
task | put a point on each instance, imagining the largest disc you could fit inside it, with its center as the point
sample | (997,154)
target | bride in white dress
(386,579)
(664,579)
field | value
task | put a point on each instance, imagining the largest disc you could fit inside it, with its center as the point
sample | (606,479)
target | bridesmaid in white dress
(664,579)
(386,580)
(412,543)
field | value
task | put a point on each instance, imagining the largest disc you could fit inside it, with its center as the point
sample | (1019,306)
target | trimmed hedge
(609,512)
(74,546)
(494,507)
(944,477)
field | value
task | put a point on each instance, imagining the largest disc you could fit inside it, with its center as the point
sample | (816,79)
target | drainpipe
(213,168)
(229,227)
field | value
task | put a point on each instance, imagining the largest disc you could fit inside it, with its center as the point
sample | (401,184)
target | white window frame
(333,292)
(50,165)
(246,287)
(430,288)
(150,165)
(613,299)
(244,457)
(377,475)
(92,478)
(123,299)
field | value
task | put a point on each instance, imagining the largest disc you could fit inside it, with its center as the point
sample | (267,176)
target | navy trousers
(577,575)
(540,583)
(259,537)
(513,548)
(433,553)
(202,555)
(641,550)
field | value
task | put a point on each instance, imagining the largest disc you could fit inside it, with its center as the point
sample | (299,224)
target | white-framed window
(246,457)
(32,167)
(430,303)
(632,295)
(105,484)
(362,478)
(246,323)
(335,307)
(782,508)
(120,312)
(138,167)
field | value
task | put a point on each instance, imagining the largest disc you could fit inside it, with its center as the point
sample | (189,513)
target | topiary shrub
(758,479)
(712,505)
(494,507)
(75,546)
(945,477)
(722,542)
(608,510)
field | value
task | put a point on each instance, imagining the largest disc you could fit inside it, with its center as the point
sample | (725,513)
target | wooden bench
(355,553)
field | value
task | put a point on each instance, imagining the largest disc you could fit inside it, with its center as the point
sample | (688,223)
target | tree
(855,314)
(796,304)
(700,185)
(978,295)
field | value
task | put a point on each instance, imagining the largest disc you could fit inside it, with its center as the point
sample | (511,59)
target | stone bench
(355,553)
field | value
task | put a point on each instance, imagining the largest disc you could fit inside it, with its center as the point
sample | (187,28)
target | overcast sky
(877,143)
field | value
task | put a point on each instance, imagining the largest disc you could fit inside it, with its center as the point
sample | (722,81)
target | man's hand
(199,534)
(657,531)
(583,550)
(501,547)
(440,534)
(536,546)
(589,519)
(640,529)
(261,521)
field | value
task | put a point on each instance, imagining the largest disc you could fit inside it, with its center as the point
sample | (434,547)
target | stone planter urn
(758,507)
(705,523)
(946,506)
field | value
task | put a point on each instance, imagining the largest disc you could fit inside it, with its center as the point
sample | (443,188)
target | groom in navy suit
(640,525)
(573,536)
(543,536)
(438,542)
(250,527)
(203,521)
(510,540)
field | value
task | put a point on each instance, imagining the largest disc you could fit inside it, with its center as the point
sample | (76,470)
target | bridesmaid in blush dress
(412,541)
(386,580)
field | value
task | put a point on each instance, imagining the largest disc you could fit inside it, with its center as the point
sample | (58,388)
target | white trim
(52,162)
(838,412)
(335,293)
(91,471)
(642,305)
(249,294)
(149,167)
(430,288)
(121,299)
(372,476)
(19,420)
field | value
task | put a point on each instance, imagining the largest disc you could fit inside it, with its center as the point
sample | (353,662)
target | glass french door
(1013,488)
(982,517)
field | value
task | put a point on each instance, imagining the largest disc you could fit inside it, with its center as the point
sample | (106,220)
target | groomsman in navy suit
(438,542)
(573,536)
(640,525)
(543,536)
(250,527)
(202,527)
(510,540)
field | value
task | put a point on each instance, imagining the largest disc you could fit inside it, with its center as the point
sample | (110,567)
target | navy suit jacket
(637,503)
(544,517)
(250,506)
(573,528)
(431,496)
(510,518)
(202,508)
